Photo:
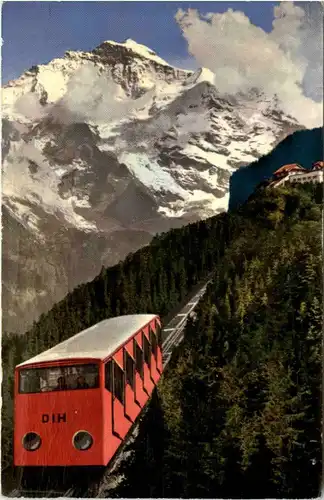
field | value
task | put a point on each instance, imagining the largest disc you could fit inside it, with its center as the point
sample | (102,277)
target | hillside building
(295,173)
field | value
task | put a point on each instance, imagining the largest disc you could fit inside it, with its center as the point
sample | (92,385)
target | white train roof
(97,342)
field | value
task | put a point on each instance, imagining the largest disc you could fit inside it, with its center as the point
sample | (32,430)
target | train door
(154,348)
(111,441)
(148,380)
(158,333)
(140,395)
(115,384)
(131,408)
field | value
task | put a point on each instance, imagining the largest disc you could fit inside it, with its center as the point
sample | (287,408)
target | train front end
(58,414)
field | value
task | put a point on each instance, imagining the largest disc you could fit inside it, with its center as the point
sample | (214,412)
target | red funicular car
(75,403)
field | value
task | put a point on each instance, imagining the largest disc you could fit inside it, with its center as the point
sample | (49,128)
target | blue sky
(36,32)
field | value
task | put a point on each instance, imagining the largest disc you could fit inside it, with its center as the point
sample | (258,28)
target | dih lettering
(54,418)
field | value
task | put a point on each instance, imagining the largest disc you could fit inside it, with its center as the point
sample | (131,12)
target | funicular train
(76,402)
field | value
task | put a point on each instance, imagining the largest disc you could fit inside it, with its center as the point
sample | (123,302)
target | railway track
(72,492)
(172,335)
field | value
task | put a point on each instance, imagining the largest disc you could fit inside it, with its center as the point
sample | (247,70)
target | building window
(109,376)
(139,359)
(130,365)
(153,342)
(119,383)
(147,350)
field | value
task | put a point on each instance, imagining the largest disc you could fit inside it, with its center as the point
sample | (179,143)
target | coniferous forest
(237,412)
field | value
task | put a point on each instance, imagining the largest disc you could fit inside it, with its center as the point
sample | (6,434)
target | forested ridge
(237,413)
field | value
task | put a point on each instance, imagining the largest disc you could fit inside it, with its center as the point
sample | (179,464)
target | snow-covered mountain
(103,149)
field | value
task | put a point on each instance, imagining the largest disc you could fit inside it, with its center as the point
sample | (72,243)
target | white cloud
(91,96)
(187,63)
(192,123)
(29,106)
(287,62)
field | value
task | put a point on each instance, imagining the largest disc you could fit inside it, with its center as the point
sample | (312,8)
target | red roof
(291,167)
(319,165)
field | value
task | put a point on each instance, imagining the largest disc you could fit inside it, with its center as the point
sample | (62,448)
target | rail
(175,336)
(42,493)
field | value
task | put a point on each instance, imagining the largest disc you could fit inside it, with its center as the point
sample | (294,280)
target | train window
(158,333)
(147,350)
(118,383)
(153,342)
(58,378)
(129,364)
(30,381)
(139,359)
(109,376)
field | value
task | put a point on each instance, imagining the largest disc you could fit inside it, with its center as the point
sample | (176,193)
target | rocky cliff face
(103,149)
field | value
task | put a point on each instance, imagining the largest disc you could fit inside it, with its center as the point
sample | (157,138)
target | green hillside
(237,414)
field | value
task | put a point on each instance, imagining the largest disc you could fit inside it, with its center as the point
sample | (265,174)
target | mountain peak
(136,147)
(138,49)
